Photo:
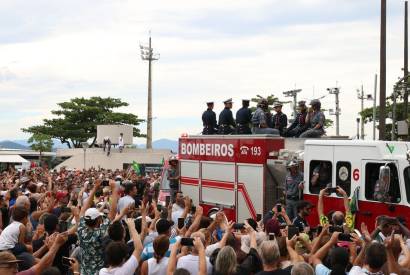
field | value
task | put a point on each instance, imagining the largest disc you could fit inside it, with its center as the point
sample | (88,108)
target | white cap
(92,214)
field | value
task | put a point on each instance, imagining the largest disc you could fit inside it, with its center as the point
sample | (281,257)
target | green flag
(163,161)
(353,205)
(136,167)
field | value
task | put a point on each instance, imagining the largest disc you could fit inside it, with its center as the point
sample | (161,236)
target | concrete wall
(95,157)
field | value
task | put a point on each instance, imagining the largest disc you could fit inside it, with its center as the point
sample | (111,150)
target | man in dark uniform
(243,119)
(316,121)
(299,125)
(209,120)
(226,121)
(260,121)
(280,120)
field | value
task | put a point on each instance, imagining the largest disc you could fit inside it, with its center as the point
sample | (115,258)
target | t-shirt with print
(91,244)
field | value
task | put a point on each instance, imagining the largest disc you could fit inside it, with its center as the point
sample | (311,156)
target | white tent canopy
(12,159)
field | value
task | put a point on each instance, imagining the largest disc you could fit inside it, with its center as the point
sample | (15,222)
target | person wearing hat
(209,120)
(279,120)
(226,123)
(92,228)
(293,183)
(173,175)
(299,125)
(315,120)
(259,120)
(243,119)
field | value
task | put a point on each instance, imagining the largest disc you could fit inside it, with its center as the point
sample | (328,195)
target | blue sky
(51,51)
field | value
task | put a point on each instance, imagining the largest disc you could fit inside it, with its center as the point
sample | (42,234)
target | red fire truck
(244,175)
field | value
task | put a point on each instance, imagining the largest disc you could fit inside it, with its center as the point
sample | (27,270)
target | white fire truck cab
(244,175)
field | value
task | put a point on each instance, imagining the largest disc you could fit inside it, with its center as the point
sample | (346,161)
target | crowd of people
(114,222)
(308,123)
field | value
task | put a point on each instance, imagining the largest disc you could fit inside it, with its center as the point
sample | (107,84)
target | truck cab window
(382,189)
(407,182)
(320,175)
(344,175)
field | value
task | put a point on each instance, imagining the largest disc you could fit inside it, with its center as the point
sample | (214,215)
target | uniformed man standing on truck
(280,120)
(316,121)
(259,121)
(226,121)
(243,119)
(209,120)
(293,183)
(173,175)
(299,125)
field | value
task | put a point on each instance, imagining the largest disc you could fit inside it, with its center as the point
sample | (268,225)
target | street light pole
(335,91)
(85,146)
(147,54)
(393,125)
(294,94)
(360,95)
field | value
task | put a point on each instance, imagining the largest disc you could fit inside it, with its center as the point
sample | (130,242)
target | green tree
(367,114)
(76,120)
(272,99)
(40,143)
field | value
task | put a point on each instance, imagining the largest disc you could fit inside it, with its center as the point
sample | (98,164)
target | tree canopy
(367,114)
(76,120)
(40,142)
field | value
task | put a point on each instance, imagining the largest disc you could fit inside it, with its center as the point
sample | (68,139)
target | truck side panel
(250,191)
(218,180)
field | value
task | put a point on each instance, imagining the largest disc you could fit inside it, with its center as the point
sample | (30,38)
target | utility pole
(374,106)
(147,54)
(406,53)
(294,94)
(382,115)
(335,91)
(362,97)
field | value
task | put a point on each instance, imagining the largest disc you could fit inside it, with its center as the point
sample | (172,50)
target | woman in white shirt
(116,251)
(158,264)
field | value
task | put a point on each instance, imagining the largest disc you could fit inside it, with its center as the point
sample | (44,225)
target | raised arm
(90,199)
(290,246)
(345,199)
(114,200)
(201,255)
(320,210)
(135,238)
(48,258)
(172,262)
(195,224)
(76,216)
(322,252)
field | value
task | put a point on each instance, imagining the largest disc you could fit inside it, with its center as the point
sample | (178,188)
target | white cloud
(93,50)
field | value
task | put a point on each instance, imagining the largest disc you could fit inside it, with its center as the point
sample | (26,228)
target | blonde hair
(226,261)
